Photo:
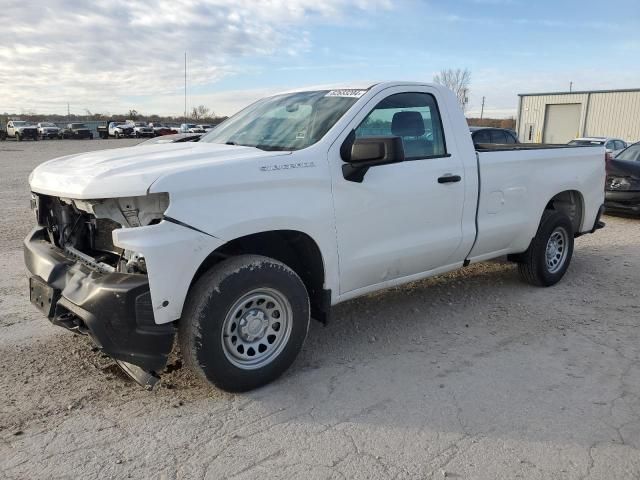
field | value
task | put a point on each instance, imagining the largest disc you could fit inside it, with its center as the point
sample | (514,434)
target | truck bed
(514,182)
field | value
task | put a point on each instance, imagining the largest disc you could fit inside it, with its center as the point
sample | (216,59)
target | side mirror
(360,154)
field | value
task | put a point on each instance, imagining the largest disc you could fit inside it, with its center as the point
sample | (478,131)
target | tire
(272,302)
(117,134)
(18,137)
(137,134)
(549,254)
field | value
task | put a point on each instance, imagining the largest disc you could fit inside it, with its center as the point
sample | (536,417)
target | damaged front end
(83,282)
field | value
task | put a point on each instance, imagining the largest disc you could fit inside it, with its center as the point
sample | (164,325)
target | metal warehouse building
(561,116)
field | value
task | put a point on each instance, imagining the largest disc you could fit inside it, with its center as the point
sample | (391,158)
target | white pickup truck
(299,202)
(20,129)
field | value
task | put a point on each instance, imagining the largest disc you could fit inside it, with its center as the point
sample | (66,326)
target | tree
(457,81)
(201,112)
(133,114)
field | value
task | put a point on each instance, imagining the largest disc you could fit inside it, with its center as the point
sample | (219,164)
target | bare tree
(201,112)
(133,114)
(456,80)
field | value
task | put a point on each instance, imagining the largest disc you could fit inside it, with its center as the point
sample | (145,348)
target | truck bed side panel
(516,186)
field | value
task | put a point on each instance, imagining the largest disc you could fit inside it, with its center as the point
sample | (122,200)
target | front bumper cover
(113,308)
(622,201)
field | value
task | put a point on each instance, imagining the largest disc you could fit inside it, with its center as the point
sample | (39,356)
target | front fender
(172,254)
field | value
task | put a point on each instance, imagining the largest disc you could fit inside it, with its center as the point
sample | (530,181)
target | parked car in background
(3,132)
(612,146)
(48,130)
(21,129)
(120,129)
(206,127)
(490,135)
(190,128)
(622,188)
(159,129)
(174,138)
(142,129)
(75,131)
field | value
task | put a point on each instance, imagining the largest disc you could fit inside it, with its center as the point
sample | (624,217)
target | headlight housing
(620,183)
(129,212)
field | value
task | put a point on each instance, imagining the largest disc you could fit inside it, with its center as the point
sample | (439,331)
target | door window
(497,136)
(412,116)
(511,139)
(481,136)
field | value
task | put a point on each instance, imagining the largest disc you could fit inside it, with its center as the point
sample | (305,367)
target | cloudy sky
(111,56)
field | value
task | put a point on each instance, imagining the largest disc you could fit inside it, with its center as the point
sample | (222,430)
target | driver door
(404,218)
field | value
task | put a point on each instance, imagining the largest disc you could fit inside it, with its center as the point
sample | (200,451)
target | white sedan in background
(613,146)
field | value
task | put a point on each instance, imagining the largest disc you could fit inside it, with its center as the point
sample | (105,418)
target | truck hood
(126,172)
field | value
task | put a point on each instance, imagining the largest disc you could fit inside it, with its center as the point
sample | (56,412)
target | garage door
(562,123)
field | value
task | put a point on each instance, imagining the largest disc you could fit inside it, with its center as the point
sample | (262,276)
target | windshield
(47,124)
(78,125)
(631,154)
(284,122)
(586,143)
(19,124)
(140,124)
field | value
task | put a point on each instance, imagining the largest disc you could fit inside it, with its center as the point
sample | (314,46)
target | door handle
(448,178)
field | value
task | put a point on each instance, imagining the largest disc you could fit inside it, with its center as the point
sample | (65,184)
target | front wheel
(18,137)
(244,322)
(117,134)
(549,254)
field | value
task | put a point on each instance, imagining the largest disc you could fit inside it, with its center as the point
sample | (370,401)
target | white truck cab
(21,130)
(191,128)
(141,129)
(301,201)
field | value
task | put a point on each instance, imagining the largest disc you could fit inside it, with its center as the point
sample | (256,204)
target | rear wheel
(549,254)
(244,322)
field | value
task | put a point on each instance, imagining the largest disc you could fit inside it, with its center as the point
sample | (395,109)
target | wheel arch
(296,249)
(571,203)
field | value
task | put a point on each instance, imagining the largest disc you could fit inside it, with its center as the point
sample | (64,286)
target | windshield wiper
(230,143)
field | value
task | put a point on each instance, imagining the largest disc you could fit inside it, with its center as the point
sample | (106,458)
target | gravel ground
(470,375)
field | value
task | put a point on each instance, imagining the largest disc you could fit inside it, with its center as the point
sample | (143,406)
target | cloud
(99,54)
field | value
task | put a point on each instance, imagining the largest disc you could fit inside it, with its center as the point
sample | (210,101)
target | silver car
(613,146)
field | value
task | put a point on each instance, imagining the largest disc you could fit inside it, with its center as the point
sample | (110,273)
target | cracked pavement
(470,375)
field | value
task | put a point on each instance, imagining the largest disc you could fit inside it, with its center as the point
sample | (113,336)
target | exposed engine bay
(83,228)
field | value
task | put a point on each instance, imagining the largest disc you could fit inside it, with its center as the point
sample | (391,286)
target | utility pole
(68,113)
(185,86)
(482,109)
(570,87)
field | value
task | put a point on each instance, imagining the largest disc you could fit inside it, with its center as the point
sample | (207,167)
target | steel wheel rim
(257,328)
(557,249)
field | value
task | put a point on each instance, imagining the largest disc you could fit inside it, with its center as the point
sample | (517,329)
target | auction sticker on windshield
(350,93)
